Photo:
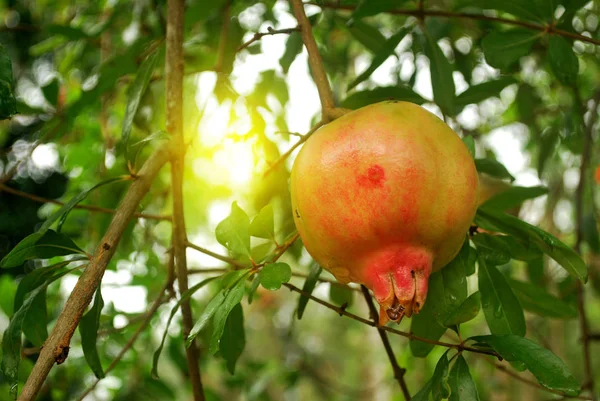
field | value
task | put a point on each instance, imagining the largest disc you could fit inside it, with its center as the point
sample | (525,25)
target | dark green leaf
(233,297)
(461,383)
(233,340)
(440,389)
(480,92)
(207,313)
(533,10)
(442,81)
(550,245)
(493,168)
(36,278)
(540,302)
(233,232)
(185,296)
(370,96)
(50,91)
(8,103)
(501,307)
(253,288)
(36,319)
(470,144)
(341,294)
(308,287)
(88,329)
(590,232)
(547,368)
(293,47)
(8,289)
(263,225)
(514,196)
(492,249)
(424,325)
(273,275)
(466,311)
(69,32)
(423,394)
(40,245)
(520,250)
(387,50)
(504,48)
(136,91)
(448,288)
(372,7)
(366,35)
(563,60)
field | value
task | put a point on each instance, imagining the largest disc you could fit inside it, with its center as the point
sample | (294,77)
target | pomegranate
(383,196)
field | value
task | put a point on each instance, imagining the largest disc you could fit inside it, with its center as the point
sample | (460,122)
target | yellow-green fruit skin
(383,191)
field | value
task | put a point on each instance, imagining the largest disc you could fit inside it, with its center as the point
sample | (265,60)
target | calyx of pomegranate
(384,196)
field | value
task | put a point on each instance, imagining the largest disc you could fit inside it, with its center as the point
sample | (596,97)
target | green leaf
(8,103)
(260,252)
(263,225)
(590,232)
(136,91)
(423,394)
(480,92)
(501,307)
(88,329)
(273,275)
(233,340)
(365,34)
(461,383)
(533,10)
(563,60)
(36,278)
(293,47)
(370,96)
(493,168)
(253,288)
(40,245)
(470,144)
(368,8)
(8,289)
(207,313)
(184,297)
(502,49)
(424,325)
(387,50)
(448,288)
(440,389)
(233,297)
(341,294)
(35,323)
(50,91)
(550,371)
(540,302)
(63,212)
(11,340)
(550,245)
(308,287)
(468,310)
(492,249)
(233,232)
(513,197)
(442,81)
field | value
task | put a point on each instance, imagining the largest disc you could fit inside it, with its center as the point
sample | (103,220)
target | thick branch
(314,60)
(57,345)
(174,96)
(16,192)
(398,371)
(480,17)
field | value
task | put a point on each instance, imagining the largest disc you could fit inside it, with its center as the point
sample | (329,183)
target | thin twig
(270,31)
(579,213)
(161,299)
(398,371)
(174,110)
(16,192)
(550,29)
(56,346)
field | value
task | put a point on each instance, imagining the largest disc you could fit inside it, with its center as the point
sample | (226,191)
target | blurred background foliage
(529,98)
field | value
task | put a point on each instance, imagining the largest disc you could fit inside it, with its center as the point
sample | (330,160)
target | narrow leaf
(423,394)
(563,60)
(513,197)
(442,81)
(40,245)
(493,168)
(365,34)
(440,389)
(501,307)
(424,325)
(370,96)
(207,313)
(36,320)
(550,371)
(233,297)
(466,311)
(461,383)
(540,302)
(308,287)
(504,48)
(368,8)
(88,329)
(492,249)
(8,103)
(233,340)
(480,92)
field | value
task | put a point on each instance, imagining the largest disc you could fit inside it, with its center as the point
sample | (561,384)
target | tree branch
(270,31)
(398,371)
(174,112)
(57,345)
(421,14)
(16,192)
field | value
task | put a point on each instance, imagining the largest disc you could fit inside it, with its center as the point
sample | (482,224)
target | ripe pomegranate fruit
(383,196)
